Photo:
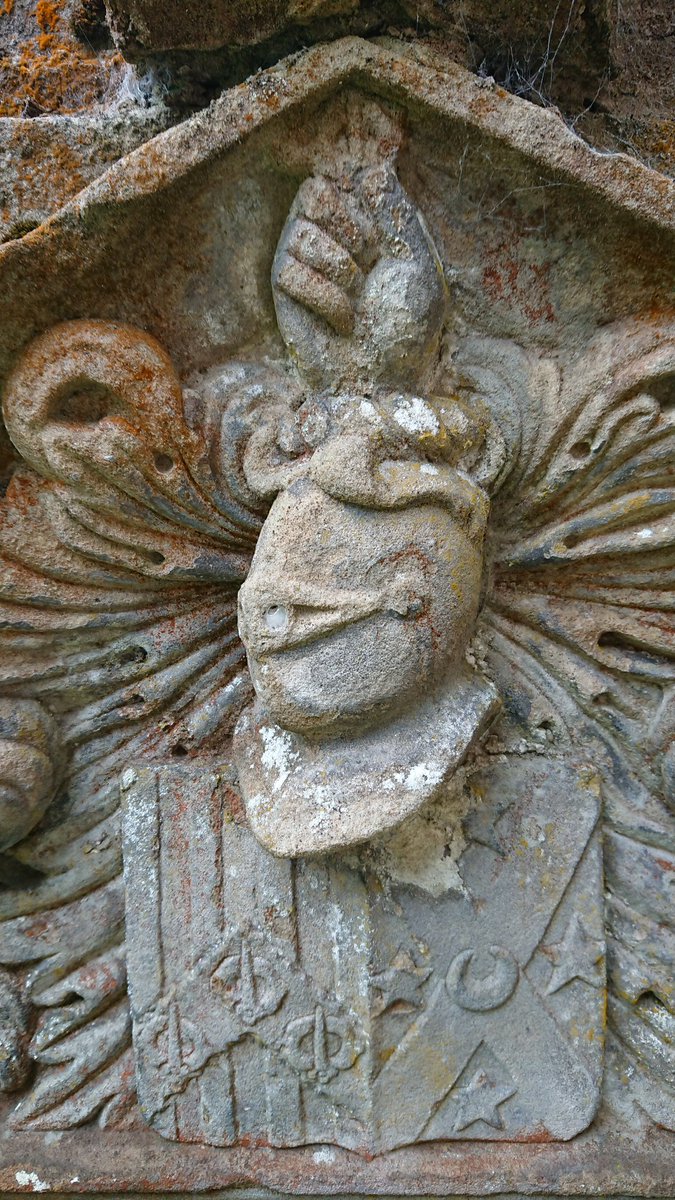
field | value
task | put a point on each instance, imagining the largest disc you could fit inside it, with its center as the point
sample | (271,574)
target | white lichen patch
(415,416)
(369,411)
(31,1180)
(423,775)
(259,804)
(278,756)
(324,1155)
(325,805)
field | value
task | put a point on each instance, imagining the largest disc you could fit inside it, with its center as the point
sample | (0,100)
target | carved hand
(327,246)
(357,283)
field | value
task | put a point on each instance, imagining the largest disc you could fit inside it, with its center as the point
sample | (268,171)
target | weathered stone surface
(337,581)
(45,67)
(607,68)
(45,163)
(68,109)
(153,26)
(295,1003)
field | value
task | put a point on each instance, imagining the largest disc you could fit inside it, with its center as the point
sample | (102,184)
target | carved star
(399,983)
(479,1100)
(577,956)
(480,826)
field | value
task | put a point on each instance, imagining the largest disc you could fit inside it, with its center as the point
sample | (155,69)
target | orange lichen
(47,14)
(659,145)
(7,8)
(52,72)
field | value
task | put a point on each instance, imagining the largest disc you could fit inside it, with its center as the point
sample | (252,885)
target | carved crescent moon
(481,995)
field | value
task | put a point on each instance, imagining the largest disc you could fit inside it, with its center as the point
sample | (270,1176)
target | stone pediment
(514,175)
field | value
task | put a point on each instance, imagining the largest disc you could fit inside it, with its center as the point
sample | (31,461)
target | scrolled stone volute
(29,767)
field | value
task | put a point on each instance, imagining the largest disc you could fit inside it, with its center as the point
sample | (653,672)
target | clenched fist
(358,286)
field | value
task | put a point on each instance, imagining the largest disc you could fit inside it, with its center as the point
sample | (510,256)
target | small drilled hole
(179,750)
(581,449)
(137,699)
(70,998)
(133,654)
(164,463)
(602,698)
(276,618)
(156,557)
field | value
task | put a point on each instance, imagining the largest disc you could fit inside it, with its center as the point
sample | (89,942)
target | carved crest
(354,582)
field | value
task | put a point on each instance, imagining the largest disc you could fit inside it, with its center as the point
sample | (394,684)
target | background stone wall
(83,82)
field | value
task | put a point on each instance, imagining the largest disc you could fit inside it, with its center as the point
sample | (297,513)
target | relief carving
(329,677)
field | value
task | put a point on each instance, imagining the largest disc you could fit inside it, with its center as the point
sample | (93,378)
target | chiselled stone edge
(266,1194)
(407,73)
(92,1162)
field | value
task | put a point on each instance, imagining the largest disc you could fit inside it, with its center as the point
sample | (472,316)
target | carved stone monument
(336,686)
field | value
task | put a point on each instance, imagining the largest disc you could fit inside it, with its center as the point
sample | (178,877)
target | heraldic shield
(292,1002)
